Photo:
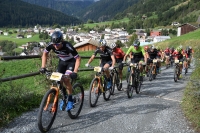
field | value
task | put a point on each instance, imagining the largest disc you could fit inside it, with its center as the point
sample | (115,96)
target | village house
(87,45)
(186,28)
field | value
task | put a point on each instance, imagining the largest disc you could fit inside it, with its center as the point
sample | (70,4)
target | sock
(120,81)
(70,98)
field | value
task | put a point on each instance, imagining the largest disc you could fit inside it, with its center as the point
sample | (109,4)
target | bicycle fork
(53,109)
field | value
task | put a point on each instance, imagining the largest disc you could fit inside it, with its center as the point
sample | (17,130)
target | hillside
(16,12)
(67,7)
(161,12)
(105,9)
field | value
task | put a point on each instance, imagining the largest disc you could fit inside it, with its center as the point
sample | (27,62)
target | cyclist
(179,56)
(139,56)
(107,59)
(167,56)
(185,58)
(153,54)
(69,62)
(189,52)
(119,55)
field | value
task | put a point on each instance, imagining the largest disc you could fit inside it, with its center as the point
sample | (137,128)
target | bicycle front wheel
(130,86)
(78,98)
(113,84)
(106,92)
(138,84)
(175,74)
(94,92)
(47,111)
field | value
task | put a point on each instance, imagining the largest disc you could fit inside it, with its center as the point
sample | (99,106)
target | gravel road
(155,110)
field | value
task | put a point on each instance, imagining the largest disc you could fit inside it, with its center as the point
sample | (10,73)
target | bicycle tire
(154,75)
(138,84)
(175,74)
(130,88)
(106,93)
(43,115)
(112,90)
(94,92)
(150,74)
(78,98)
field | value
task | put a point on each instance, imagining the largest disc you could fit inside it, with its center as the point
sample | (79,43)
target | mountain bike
(98,86)
(134,82)
(115,80)
(49,104)
(177,70)
(152,70)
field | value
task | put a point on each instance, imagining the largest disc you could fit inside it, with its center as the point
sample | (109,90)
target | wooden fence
(8,58)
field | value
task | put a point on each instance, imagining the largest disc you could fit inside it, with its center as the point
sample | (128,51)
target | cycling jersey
(104,55)
(167,52)
(118,53)
(66,53)
(177,54)
(153,54)
(139,53)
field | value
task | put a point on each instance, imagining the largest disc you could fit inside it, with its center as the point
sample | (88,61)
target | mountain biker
(139,56)
(107,59)
(167,56)
(153,53)
(69,62)
(179,56)
(189,52)
(119,55)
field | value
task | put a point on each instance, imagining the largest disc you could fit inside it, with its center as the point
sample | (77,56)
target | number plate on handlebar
(133,64)
(56,76)
(154,61)
(97,69)
(176,61)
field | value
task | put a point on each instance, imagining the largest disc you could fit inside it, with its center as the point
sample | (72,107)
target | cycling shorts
(103,62)
(119,63)
(66,65)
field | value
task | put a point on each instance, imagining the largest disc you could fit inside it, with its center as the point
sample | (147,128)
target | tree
(132,39)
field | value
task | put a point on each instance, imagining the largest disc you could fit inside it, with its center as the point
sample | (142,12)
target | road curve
(155,110)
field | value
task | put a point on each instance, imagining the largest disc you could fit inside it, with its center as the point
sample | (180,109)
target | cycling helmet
(113,45)
(146,48)
(102,42)
(56,37)
(136,43)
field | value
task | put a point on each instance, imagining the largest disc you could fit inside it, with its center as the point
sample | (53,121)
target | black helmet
(136,43)
(56,37)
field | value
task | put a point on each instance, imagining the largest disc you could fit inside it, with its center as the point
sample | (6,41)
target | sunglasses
(56,44)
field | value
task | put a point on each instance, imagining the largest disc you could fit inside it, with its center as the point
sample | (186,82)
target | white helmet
(113,45)
(102,42)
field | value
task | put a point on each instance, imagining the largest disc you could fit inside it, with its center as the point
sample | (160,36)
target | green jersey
(139,53)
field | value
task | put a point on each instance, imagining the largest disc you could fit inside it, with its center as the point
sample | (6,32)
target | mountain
(69,7)
(105,9)
(19,13)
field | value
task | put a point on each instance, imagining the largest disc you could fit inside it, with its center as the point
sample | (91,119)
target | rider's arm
(77,64)
(127,53)
(113,60)
(44,59)
(91,59)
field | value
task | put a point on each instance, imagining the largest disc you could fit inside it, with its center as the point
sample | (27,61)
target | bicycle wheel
(154,73)
(138,84)
(127,74)
(112,90)
(175,74)
(106,93)
(94,92)
(78,98)
(150,74)
(130,87)
(47,111)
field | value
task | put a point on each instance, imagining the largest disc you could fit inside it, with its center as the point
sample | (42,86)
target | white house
(29,36)
(108,30)
(160,38)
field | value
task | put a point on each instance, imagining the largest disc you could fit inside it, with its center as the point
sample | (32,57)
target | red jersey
(118,53)
(177,54)
(167,52)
